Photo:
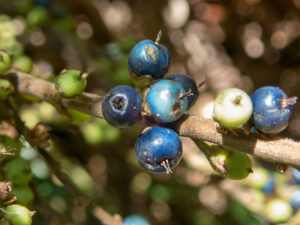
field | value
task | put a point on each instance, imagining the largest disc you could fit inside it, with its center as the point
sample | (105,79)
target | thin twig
(278,150)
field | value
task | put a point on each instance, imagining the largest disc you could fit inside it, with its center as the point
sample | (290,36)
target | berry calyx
(18,214)
(271,109)
(71,83)
(4,61)
(158,149)
(122,106)
(189,85)
(232,108)
(149,58)
(167,101)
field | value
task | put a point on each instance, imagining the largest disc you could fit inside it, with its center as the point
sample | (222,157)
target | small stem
(186,94)
(2,210)
(158,37)
(202,83)
(83,75)
(289,101)
(237,100)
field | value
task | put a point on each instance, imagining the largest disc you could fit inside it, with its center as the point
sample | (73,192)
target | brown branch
(277,150)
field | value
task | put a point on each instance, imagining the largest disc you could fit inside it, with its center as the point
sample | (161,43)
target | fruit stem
(186,94)
(289,101)
(237,100)
(32,213)
(83,75)
(2,210)
(201,84)
(158,37)
(165,164)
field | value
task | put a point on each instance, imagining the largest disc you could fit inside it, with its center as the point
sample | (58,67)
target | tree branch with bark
(277,149)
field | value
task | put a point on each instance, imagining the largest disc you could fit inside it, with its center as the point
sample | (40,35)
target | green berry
(232,165)
(71,83)
(258,178)
(4,61)
(19,172)
(238,166)
(278,210)
(22,63)
(18,215)
(24,194)
(6,88)
(232,108)
(37,16)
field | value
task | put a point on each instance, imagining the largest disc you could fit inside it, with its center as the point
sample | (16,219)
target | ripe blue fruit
(149,58)
(269,186)
(295,199)
(271,109)
(158,149)
(135,220)
(167,101)
(296,175)
(188,84)
(122,106)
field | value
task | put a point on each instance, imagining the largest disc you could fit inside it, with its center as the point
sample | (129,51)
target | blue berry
(167,101)
(149,58)
(295,199)
(135,220)
(188,84)
(271,109)
(296,175)
(269,186)
(122,106)
(158,149)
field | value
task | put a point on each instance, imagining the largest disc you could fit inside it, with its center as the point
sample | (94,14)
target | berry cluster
(268,107)
(165,99)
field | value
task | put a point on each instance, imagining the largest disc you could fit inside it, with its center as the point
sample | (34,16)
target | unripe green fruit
(22,63)
(71,83)
(6,88)
(238,166)
(19,172)
(258,178)
(37,16)
(4,61)
(233,165)
(24,194)
(232,108)
(278,210)
(18,215)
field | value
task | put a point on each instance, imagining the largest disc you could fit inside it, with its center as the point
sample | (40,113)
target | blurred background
(233,43)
